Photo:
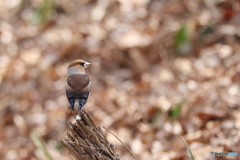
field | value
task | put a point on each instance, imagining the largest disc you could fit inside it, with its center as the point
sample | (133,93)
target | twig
(122,143)
(85,141)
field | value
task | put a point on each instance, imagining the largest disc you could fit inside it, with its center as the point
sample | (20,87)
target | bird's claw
(83,111)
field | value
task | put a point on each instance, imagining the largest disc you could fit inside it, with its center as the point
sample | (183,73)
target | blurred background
(159,69)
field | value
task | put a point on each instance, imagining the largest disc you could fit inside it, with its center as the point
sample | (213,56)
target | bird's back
(78,83)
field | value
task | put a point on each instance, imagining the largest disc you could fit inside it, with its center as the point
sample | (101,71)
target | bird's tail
(76,104)
(76,109)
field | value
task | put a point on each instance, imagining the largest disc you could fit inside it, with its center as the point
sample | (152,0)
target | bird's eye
(82,64)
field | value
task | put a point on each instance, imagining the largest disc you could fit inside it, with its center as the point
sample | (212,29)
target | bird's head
(78,66)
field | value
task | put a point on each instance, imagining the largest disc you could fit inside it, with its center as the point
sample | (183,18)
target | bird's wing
(79,83)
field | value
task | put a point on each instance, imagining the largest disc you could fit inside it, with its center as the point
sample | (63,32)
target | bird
(77,85)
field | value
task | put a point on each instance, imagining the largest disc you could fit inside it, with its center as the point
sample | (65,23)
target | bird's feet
(83,111)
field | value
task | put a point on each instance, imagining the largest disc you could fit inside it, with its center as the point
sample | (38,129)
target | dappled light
(160,69)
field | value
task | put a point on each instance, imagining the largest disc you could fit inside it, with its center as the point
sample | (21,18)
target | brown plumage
(77,85)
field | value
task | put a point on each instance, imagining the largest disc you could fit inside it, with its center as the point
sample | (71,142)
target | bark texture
(85,141)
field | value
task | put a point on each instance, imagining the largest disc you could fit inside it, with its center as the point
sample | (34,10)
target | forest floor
(160,69)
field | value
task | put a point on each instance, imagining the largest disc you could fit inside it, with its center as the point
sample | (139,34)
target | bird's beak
(87,64)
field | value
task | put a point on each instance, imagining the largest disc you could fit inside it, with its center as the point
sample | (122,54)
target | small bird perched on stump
(77,85)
